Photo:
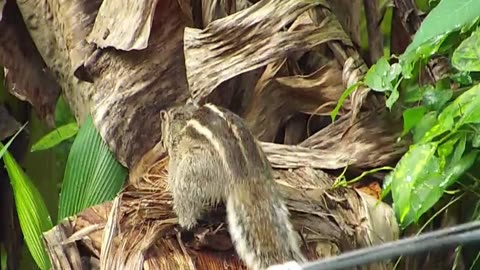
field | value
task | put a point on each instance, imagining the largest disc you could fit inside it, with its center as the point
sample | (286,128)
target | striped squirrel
(215,158)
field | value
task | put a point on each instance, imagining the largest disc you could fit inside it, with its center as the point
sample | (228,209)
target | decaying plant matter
(281,65)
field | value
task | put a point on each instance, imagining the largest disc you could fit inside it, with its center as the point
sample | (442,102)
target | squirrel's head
(174,120)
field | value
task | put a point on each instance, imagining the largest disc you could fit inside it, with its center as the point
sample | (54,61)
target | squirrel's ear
(163,115)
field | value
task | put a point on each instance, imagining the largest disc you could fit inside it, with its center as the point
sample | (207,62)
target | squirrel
(215,158)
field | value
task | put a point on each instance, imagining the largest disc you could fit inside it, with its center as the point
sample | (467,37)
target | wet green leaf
(413,181)
(392,98)
(408,60)
(387,185)
(448,16)
(459,149)
(457,168)
(435,98)
(381,75)
(467,56)
(446,148)
(463,78)
(427,192)
(463,110)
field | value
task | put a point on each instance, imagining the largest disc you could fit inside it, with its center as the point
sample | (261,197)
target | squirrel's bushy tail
(260,227)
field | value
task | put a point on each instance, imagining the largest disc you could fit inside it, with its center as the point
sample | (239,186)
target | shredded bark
(112,29)
(330,221)
(217,57)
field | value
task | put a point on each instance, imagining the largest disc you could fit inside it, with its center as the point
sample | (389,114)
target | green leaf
(387,185)
(446,148)
(448,16)
(92,174)
(411,117)
(466,106)
(463,110)
(342,99)
(435,98)
(427,192)
(381,75)
(476,140)
(422,127)
(55,137)
(412,93)
(458,168)
(462,78)
(467,56)
(32,212)
(408,59)
(460,149)
(392,98)
(413,181)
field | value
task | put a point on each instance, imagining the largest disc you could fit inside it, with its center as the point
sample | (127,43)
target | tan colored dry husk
(136,230)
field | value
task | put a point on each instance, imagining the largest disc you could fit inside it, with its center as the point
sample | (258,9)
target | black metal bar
(450,237)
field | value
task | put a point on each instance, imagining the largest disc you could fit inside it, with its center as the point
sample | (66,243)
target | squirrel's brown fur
(213,158)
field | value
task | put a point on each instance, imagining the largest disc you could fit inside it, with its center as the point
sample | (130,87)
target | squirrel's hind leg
(194,188)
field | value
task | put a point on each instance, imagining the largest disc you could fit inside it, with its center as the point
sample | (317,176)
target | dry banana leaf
(217,57)
(112,30)
(136,230)
(278,98)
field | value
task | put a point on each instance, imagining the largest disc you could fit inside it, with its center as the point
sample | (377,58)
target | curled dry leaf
(370,142)
(124,25)
(278,98)
(132,87)
(330,221)
(26,75)
(76,19)
(213,10)
(247,40)
(129,88)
